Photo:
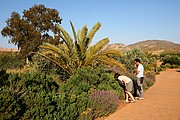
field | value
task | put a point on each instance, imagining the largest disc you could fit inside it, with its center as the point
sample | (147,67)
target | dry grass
(8,49)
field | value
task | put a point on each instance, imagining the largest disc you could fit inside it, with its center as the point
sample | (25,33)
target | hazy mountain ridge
(154,46)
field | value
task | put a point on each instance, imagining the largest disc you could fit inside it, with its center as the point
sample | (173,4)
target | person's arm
(124,85)
(137,71)
(135,66)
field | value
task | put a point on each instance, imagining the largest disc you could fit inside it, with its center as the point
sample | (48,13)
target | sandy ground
(162,101)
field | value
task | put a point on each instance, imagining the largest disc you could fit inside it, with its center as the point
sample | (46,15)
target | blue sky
(123,21)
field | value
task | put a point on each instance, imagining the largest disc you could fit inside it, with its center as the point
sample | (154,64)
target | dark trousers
(136,87)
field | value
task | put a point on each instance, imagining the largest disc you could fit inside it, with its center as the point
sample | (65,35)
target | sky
(123,21)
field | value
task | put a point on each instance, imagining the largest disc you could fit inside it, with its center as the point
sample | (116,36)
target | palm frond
(65,68)
(82,35)
(55,51)
(96,48)
(82,40)
(111,52)
(66,37)
(99,45)
(74,32)
(48,46)
(63,47)
(110,61)
(93,31)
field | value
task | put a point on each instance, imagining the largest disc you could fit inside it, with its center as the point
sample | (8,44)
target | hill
(154,46)
(117,46)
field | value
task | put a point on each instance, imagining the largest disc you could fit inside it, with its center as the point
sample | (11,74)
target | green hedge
(37,96)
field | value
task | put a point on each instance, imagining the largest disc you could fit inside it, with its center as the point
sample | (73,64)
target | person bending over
(127,84)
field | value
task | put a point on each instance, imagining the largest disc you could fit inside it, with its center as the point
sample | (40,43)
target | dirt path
(162,101)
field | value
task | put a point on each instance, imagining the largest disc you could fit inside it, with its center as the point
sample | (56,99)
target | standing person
(140,77)
(127,85)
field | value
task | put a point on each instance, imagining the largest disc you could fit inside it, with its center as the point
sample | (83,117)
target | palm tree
(77,52)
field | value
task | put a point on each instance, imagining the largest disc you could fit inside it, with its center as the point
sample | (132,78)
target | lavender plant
(103,102)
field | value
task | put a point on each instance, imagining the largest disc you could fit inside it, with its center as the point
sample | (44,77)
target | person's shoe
(141,98)
(133,101)
(137,98)
(126,101)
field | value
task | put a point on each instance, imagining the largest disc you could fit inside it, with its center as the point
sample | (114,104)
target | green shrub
(10,104)
(10,60)
(147,59)
(172,59)
(84,82)
(159,69)
(45,66)
(39,105)
(175,66)
(29,96)
(168,65)
(96,78)
(37,96)
(163,66)
(3,78)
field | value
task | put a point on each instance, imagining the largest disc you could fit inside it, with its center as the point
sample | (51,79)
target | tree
(33,28)
(73,54)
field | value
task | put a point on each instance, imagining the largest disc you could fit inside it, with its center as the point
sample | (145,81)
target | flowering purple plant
(103,102)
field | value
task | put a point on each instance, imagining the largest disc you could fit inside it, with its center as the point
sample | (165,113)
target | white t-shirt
(141,71)
(124,78)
